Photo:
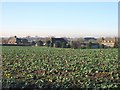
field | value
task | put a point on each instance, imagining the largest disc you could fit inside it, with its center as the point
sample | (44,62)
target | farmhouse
(108,42)
(18,41)
(90,39)
(91,42)
(53,40)
(58,42)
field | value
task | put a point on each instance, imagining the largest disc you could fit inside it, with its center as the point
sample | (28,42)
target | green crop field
(42,67)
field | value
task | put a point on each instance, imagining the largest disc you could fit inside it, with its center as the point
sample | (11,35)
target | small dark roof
(59,39)
(89,38)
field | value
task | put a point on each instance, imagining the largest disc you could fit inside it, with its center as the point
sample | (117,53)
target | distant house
(53,40)
(58,42)
(108,42)
(90,39)
(91,42)
(18,41)
(87,42)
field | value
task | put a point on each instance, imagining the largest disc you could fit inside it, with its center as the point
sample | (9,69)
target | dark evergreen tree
(40,43)
(48,43)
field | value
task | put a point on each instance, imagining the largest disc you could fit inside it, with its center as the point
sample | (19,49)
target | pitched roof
(59,39)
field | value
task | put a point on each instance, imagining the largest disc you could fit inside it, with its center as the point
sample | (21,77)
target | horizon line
(37,36)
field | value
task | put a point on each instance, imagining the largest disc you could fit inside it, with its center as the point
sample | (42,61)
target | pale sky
(61,19)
